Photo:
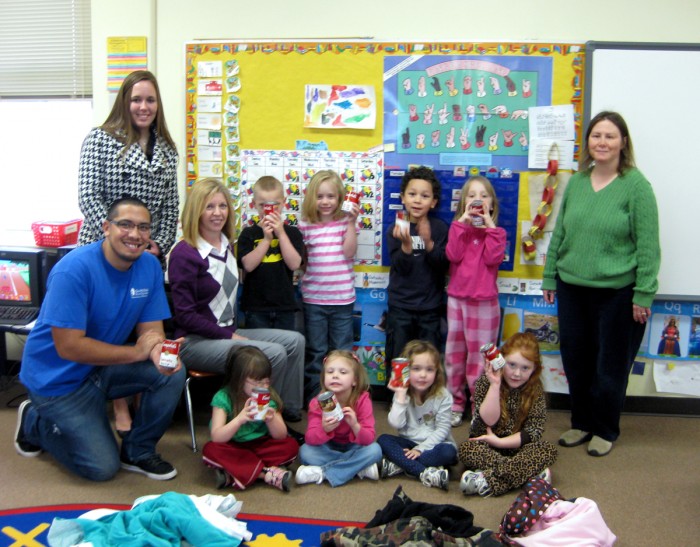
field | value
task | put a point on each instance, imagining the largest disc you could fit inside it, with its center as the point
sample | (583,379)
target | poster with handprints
(466,110)
(340,106)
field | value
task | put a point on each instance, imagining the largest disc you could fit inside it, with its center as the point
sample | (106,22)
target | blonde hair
(489,190)
(527,345)
(417,347)
(201,192)
(268,183)
(361,378)
(309,209)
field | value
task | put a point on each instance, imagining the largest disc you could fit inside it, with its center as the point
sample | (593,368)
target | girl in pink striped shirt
(328,284)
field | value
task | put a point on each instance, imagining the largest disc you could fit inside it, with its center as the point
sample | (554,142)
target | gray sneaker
(546,475)
(389,469)
(474,482)
(435,476)
(455,419)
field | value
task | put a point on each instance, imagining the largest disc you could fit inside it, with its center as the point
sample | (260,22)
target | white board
(656,89)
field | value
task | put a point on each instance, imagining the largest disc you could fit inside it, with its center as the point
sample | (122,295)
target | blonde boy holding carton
(269,253)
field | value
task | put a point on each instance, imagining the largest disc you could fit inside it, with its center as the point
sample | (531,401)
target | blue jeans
(441,455)
(75,429)
(340,462)
(327,328)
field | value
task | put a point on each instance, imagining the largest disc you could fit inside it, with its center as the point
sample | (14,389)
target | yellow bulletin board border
(269,83)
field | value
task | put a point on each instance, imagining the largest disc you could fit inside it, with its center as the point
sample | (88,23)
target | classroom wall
(169,24)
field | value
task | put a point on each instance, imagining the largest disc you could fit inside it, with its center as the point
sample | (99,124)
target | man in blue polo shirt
(77,356)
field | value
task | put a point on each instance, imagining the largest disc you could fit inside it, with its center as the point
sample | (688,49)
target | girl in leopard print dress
(505,447)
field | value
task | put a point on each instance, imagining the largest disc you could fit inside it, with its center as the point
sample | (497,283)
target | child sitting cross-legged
(505,447)
(421,412)
(340,446)
(245,447)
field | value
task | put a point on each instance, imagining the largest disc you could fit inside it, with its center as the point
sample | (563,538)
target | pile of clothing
(407,522)
(166,519)
(539,517)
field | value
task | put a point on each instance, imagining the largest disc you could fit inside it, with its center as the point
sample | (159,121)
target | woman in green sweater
(602,265)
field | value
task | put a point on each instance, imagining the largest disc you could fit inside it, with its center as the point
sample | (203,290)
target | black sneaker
(222,478)
(22,446)
(298,437)
(152,466)
(292,416)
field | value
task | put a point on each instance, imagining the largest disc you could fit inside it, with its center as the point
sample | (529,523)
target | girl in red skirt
(244,448)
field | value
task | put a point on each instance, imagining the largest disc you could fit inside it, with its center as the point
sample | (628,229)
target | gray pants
(284,349)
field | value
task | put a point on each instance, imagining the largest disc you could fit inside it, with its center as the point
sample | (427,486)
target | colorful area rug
(27,527)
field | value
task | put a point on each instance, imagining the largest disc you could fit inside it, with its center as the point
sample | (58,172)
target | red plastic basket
(56,234)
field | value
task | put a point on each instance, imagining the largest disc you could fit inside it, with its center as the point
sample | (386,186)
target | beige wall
(169,24)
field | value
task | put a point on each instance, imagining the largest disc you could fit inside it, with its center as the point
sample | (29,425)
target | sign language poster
(466,110)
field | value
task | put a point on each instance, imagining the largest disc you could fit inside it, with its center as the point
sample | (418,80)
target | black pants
(599,341)
(403,325)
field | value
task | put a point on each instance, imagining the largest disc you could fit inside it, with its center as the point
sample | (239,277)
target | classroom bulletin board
(252,110)
(244,97)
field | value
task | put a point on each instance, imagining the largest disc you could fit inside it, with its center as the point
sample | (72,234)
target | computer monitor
(21,276)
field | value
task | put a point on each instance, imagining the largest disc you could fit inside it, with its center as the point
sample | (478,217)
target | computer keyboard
(17,315)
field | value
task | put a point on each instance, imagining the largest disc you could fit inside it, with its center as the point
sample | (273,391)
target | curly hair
(426,174)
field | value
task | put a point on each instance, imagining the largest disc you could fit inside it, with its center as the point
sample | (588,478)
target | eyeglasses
(265,382)
(127,226)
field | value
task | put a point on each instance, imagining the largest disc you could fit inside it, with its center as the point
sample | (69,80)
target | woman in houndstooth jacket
(132,153)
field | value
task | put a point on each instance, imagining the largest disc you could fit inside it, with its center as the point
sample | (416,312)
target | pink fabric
(342,434)
(569,524)
(475,255)
(329,279)
(470,324)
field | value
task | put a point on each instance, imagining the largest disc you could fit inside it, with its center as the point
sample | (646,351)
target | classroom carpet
(29,526)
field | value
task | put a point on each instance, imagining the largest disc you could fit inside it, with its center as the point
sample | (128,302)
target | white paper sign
(552,122)
(539,152)
(677,377)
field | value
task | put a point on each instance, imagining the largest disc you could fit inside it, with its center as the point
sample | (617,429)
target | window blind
(45,48)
